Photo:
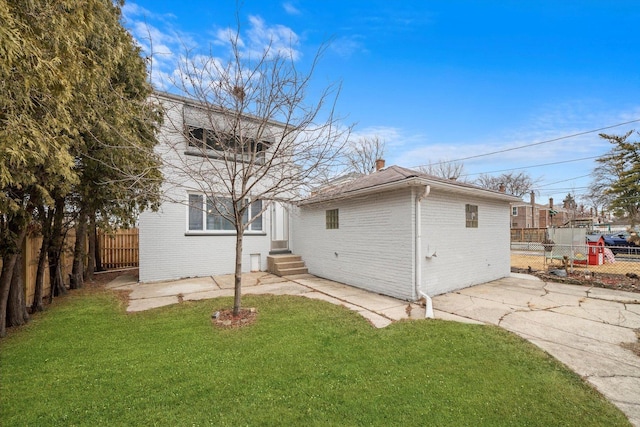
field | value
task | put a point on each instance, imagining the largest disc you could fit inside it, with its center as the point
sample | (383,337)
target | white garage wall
(373,248)
(464,256)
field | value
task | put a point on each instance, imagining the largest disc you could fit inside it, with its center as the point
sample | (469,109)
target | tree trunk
(8,263)
(58,279)
(79,252)
(38,292)
(91,250)
(97,255)
(9,260)
(238,271)
(16,302)
(55,251)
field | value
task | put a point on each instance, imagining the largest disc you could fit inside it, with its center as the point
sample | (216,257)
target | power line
(534,166)
(547,190)
(537,143)
(564,180)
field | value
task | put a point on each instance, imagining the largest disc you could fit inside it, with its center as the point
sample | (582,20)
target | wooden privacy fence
(30,255)
(118,249)
(528,234)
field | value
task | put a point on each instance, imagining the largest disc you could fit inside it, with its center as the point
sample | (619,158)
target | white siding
(373,248)
(166,253)
(464,256)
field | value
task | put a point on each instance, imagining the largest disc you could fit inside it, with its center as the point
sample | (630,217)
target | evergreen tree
(623,164)
(76,129)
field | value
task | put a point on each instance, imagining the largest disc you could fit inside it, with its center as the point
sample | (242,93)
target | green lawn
(305,362)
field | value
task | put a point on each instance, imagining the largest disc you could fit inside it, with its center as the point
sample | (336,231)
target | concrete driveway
(587,329)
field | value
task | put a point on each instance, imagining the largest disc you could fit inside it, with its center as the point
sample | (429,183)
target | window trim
(210,147)
(471,222)
(332,219)
(261,231)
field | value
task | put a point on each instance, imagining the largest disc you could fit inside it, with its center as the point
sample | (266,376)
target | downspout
(429,304)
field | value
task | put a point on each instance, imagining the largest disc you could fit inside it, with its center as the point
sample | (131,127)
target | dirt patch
(618,282)
(104,277)
(226,320)
(633,346)
(122,296)
(101,279)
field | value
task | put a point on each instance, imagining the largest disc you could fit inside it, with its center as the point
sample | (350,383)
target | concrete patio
(587,329)
(379,310)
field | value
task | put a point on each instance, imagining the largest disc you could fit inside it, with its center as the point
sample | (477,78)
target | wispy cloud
(345,47)
(290,9)
(396,141)
(276,40)
(167,46)
(551,161)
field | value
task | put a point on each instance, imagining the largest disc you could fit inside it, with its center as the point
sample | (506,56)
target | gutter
(407,182)
(418,264)
(413,181)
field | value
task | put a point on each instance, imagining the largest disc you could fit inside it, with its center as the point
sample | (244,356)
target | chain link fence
(617,260)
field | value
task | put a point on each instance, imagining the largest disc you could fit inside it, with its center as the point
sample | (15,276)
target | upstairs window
(202,139)
(471,214)
(216,145)
(514,210)
(332,219)
(210,214)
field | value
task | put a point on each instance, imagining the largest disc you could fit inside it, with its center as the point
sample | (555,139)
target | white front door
(279,227)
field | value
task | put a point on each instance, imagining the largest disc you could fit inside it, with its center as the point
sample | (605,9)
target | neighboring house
(403,233)
(186,237)
(524,215)
(528,215)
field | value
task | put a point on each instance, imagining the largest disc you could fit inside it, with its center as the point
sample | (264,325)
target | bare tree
(596,197)
(361,155)
(252,138)
(444,169)
(517,184)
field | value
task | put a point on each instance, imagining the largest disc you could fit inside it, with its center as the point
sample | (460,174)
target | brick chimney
(550,202)
(379,164)
(502,188)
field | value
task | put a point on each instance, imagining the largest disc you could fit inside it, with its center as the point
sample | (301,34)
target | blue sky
(445,80)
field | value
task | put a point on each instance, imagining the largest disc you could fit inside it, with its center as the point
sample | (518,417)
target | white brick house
(402,233)
(396,232)
(186,238)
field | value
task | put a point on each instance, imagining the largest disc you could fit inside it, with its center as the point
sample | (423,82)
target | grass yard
(304,362)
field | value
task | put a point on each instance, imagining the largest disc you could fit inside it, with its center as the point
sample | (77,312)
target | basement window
(471,213)
(332,219)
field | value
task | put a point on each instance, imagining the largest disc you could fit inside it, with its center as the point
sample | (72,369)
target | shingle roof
(392,175)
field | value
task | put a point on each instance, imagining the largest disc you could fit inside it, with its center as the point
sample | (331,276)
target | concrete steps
(286,265)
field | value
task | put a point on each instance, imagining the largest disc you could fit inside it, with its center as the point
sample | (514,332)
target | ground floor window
(332,219)
(213,213)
